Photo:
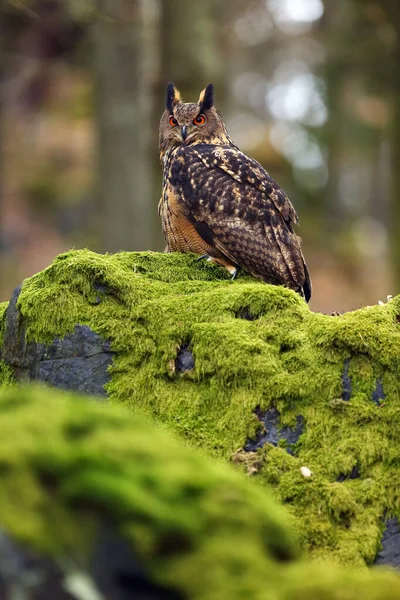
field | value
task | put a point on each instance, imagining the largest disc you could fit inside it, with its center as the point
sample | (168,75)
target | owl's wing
(244,169)
(238,209)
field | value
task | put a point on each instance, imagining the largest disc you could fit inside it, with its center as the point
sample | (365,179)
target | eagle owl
(221,204)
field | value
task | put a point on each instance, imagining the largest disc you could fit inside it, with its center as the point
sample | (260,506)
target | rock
(78,361)
(273,433)
(346,381)
(390,551)
(184,360)
(261,371)
(118,574)
(113,508)
(378,393)
(82,374)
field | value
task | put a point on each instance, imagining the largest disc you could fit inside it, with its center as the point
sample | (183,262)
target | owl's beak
(184,132)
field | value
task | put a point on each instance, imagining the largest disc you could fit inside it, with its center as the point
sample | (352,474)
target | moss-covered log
(238,365)
(95,504)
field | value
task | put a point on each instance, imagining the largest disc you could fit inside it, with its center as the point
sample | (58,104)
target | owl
(221,204)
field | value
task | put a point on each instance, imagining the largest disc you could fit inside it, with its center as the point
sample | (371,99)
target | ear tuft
(206,98)
(172,97)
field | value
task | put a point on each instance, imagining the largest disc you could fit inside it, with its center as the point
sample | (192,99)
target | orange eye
(199,120)
(172,121)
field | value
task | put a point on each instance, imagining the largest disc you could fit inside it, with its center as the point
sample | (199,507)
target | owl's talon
(232,270)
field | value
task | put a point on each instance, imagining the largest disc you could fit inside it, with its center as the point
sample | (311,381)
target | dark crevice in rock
(285,348)
(273,433)
(101,287)
(141,321)
(378,394)
(390,551)
(244,313)
(184,360)
(103,290)
(354,474)
(346,381)
(119,575)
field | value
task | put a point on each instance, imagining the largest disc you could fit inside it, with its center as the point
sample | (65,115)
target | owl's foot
(220,261)
(203,256)
(233,272)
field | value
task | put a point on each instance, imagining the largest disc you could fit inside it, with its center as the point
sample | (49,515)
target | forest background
(310,88)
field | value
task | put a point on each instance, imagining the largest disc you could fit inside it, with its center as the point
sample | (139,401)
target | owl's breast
(179,232)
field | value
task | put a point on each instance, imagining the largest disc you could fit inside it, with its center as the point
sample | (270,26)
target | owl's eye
(199,120)
(172,121)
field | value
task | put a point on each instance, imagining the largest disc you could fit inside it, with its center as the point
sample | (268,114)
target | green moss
(149,304)
(67,465)
(6,374)
(3,307)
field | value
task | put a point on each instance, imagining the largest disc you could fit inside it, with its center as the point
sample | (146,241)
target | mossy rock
(3,308)
(240,365)
(98,503)
(6,374)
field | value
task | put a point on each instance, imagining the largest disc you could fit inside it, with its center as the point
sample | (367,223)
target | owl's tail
(307,287)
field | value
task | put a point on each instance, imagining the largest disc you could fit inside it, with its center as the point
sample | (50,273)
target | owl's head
(189,122)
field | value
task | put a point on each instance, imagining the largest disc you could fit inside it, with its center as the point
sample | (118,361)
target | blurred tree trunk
(3,59)
(192,53)
(126,51)
(395,204)
(392,10)
(4,35)
(335,73)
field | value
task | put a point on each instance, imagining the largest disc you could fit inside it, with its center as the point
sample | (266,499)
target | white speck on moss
(305,471)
